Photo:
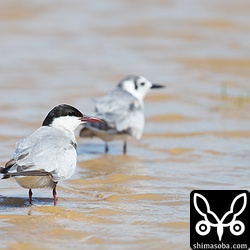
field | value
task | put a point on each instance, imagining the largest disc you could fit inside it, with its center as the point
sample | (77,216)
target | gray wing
(44,152)
(122,112)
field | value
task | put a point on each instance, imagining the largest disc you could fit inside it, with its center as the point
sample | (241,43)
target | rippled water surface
(197,132)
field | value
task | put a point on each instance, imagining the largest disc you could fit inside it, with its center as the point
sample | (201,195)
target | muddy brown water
(197,133)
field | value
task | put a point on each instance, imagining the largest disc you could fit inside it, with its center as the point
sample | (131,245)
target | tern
(122,111)
(49,154)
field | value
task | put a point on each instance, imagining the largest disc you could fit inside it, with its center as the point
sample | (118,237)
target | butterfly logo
(203,227)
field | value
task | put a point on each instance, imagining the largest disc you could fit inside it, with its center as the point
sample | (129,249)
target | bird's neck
(67,126)
(66,123)
(135,94)
(67,132)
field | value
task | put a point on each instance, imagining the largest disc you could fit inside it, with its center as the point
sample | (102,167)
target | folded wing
(45,152)
(122,113)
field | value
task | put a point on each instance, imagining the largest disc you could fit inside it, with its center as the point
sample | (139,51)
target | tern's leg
(54,195)
(106,147)
(124,147)
(30,197)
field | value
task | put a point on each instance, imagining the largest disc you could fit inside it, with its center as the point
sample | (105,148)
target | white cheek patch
(67,122)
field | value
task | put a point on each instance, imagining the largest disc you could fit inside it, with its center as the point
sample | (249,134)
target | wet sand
(197,130)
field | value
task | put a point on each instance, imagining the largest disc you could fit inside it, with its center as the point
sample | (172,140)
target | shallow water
(197,132)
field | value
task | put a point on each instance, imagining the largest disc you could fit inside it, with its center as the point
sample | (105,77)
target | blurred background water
(197,129)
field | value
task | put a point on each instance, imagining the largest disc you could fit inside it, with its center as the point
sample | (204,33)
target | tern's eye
(143,83)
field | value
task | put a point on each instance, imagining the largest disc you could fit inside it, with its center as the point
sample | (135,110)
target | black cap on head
(61,110)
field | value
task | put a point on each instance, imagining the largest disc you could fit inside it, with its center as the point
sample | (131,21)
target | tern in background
(122,111)
(49,154)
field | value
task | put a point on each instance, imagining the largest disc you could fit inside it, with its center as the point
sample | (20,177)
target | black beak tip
(157,86)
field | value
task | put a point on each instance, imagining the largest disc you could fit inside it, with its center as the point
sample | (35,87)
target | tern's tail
(85,132)
(5,173)
(91,129)
(5,170)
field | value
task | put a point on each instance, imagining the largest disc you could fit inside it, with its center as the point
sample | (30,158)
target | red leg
(30,197)
(54,195)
